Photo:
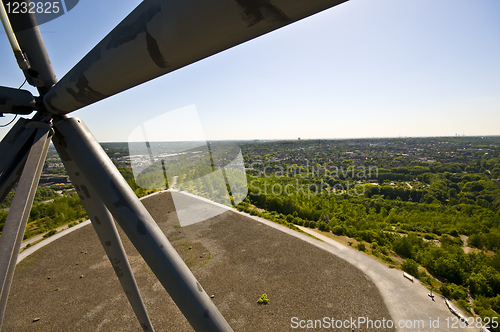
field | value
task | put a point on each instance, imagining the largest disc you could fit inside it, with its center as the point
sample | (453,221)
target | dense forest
(428,205)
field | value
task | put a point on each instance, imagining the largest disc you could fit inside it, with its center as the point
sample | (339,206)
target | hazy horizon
(306,139)
(362,69)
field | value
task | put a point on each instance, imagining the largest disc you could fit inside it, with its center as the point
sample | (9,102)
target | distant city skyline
(362,69)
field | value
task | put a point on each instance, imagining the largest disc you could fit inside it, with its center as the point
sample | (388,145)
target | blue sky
(362,69)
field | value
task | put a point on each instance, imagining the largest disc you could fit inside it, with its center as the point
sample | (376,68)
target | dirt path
(406,300)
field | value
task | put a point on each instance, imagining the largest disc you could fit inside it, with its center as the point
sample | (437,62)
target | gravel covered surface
(69,285)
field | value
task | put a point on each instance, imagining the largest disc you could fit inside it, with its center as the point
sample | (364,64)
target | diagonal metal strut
(108,235)
(139,226)
(15,225)
(14,149)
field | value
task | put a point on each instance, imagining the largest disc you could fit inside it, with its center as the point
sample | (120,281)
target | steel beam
(161,36)
(14,149)
(17,137)
(139,226)
(108,235)
(40,72)
(15,225)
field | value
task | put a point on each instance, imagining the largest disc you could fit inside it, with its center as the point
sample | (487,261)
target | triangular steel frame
(104,194)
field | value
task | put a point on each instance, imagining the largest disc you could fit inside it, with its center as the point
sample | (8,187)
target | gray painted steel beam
(14,149)
(11,176)
(40,72)
(139,226)
(16,101)
(161,36)
(17,137)
(15,225)
(108,235)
